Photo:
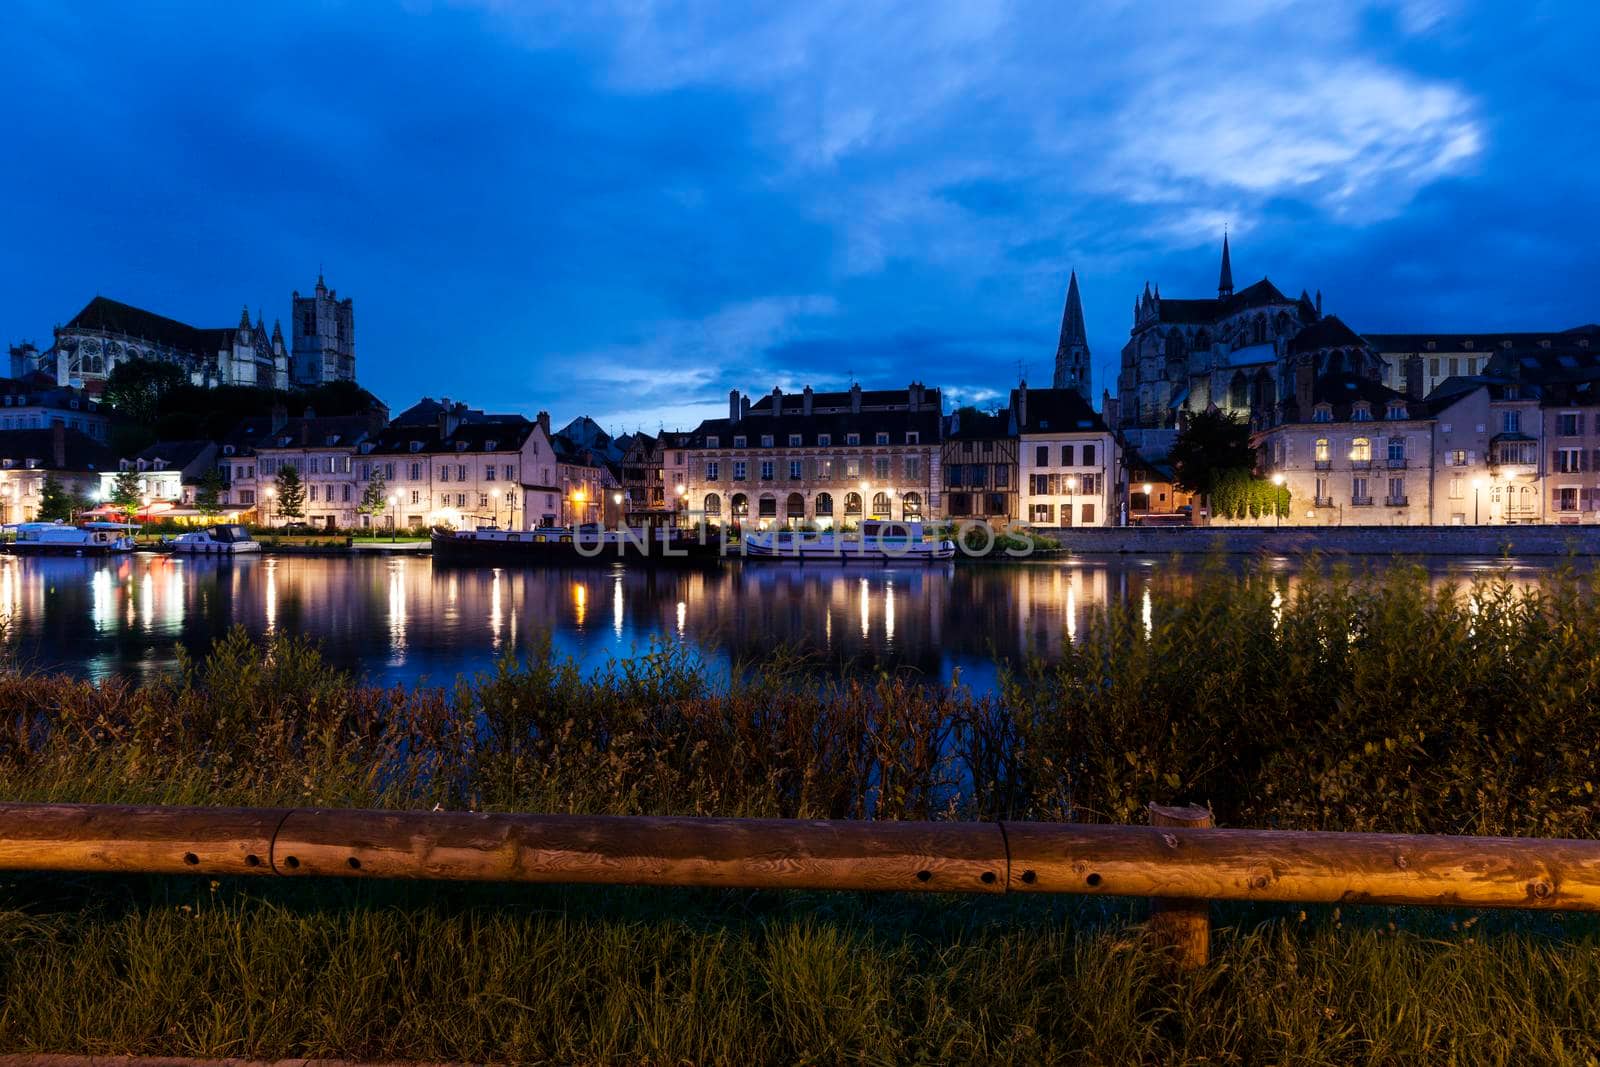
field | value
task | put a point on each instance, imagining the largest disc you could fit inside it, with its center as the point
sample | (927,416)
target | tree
(55,503)
(291,495)
(208,497)
(125,493)
(374,498)
(1210,451)
(136,386)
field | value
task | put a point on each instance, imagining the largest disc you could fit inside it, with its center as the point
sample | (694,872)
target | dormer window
(852,439)
(227,450)
(1433,346)
(713,441)
(490,446)
(738,441)
(794,440)
(913,437)
(1322,413)
(416,446)
(1397,410)
(1361,412)
(766,440)
(331,439)
(461,446)
(824,440)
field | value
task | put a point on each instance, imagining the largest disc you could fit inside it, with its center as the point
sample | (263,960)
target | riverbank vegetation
(1347,702)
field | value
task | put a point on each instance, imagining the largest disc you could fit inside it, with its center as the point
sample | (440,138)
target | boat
(61,539)
(228,539)
(567,545)
(877,542)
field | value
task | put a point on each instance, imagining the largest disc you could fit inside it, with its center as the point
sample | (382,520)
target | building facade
(29,456)
(1068,460)
(979,459)
(35,403)
(823,460)
(324,337)
(106,333)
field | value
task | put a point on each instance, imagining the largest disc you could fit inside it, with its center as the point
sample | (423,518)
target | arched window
(824,503)
(852,503)
(1175,347)
(1202,340)
(1260,332)
(1239,391)
(741,505)
(795,506)
(1361,450)
(912,506)
(880,505)
(769,506)
(713,504)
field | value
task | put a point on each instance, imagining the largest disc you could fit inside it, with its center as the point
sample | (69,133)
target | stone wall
(1489,541)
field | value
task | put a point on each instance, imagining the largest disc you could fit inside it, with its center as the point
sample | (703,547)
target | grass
(1361,702)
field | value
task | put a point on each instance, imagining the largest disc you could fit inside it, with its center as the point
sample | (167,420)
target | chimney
(1414,380)
(1304,379)
(1022,404)
(280,417)
(805,401)
(733,405)
(855,398)
(777,402)
(58,446)
(543,419)
(913,396)
(744,408)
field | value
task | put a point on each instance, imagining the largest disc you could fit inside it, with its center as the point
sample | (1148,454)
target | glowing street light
(1277,509)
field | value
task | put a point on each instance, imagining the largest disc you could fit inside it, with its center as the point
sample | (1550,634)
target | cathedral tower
(1072,351)
(324,338)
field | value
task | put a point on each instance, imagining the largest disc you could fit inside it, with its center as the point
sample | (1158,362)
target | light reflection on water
(403,620)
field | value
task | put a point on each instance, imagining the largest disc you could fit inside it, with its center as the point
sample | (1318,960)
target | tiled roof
(83,453)
(1327,332)
(105,315)
(1260,294)
(1055,411)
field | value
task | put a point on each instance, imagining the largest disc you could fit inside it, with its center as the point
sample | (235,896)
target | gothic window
(1202,339)
(1239,391)
(1175,344)
(1260,332)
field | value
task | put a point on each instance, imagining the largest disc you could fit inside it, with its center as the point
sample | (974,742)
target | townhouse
(1068,460)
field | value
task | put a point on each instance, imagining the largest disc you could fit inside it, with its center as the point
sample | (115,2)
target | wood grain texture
(1305,867)
(143,840)
(754,853)
(1181,927)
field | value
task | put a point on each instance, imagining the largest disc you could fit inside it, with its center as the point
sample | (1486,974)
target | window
(1455,366)
(416,471)
(824,504)
(1041,456)
(1457,490)
(1322,499)
(766,440)
(461,472)
(880,468)
(311,493)
(738,441)
(794,440)
(1397,492)
(713,504)
(345,496)
(1322,454)
(794,470)
(416,496)
(488,473)
(852,503)
(913,465)
(766,470)
(1567,498)
(1043,515)
(483,500)
(1002,477)
(914,438)
(1361,450)
(461,500)
(1066,456)
(711,470)
(824,470)
(1322,413)
(852,469)
(1361,412)
(852,439)
(738,470)
(713,441)
(1088,455)
(1569,424)
(1456,457)
(767,506)
(1396,410)
(824,440)
(1397,451)
(911,506)
(1511,422)
(880,506)
(1569,460)
(1358,491)
(444,472)
(880,438)
(1086,514)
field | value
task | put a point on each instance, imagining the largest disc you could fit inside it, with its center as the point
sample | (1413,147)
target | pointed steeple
(244,318)
(1225,280)
(1072,350)
(261,323)
(277,331)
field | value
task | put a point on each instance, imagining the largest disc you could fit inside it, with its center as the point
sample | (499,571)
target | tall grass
(1360,701)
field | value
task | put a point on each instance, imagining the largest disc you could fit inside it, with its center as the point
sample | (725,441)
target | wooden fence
(1180,861)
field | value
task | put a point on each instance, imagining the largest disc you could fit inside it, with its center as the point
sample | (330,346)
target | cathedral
(1235,352)
(107,332)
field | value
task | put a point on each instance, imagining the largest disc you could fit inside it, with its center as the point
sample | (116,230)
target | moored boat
(580,545)
(60,539)
(227,539)
(877,542)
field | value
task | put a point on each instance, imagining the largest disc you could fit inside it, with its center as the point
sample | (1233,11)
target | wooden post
(1182,927)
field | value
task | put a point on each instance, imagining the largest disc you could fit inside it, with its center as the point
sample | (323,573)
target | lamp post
(1148,491)
(1477,490)
(616,500)
(1072,491)
(1277,503)
(394,517)
(494,494)
(683,500)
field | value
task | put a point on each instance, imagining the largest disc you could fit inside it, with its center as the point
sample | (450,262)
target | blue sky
(625,210)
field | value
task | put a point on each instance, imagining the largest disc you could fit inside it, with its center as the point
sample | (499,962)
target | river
(404,620)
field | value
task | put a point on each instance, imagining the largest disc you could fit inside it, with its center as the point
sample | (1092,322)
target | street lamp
(1072,489)
(495,494)
(1477,488)
(616,499)
(394,519)
(1149,490)
(1277,502)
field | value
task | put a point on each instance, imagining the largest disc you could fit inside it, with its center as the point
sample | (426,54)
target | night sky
(624,211)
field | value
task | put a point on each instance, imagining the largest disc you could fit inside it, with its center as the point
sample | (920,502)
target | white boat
(60,539)
(223,540)
(876,542)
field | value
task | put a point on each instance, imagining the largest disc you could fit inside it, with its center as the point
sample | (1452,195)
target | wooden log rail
(1180,860)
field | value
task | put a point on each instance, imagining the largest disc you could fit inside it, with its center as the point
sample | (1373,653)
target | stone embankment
(1489,541)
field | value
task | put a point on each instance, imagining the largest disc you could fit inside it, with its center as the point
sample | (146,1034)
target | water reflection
(402,619)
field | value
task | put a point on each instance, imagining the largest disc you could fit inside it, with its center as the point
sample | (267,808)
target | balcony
(1323,464)
(1361,501)
(1322,502)
(1360,464)
(1396,502)
(1397,463)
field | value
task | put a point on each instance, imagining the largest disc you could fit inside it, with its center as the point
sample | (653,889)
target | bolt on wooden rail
(1181,862)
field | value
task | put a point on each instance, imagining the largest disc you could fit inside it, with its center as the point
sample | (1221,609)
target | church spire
(1072,351)
(1225,280)
(244,318)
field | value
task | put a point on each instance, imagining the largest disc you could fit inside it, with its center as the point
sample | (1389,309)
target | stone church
(1235,351)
